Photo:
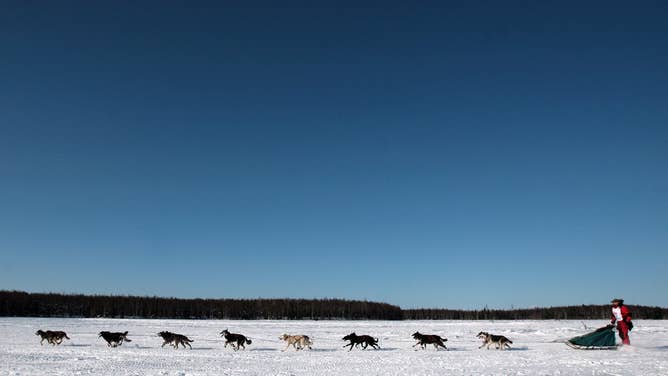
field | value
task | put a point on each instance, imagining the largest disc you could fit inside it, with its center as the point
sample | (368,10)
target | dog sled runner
(600,339)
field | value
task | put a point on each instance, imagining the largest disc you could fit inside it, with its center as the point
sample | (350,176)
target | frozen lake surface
(536,351)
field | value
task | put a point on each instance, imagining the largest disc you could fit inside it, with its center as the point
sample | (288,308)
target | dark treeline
(17,303)
(23,304)
(581,312)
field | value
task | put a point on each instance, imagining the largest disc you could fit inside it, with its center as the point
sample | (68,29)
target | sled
(600,339)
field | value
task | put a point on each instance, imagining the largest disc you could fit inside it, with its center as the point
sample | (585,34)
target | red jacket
(626,314)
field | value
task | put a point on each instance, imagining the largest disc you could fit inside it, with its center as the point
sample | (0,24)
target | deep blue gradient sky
(450,154)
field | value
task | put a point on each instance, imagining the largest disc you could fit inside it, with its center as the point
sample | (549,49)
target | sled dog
(175,339)
(299,342)
(238,339)
(500,342)
(54,337)
(363,340)
(426,339)
(114,339)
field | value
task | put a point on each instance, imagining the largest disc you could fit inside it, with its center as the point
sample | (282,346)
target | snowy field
(536,350)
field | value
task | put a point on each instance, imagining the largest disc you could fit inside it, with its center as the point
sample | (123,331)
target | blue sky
(425,154)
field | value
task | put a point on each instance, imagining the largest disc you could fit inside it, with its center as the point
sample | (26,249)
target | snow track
(536,350)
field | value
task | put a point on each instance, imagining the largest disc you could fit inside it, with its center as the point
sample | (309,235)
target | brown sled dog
(299,342)
(175,339)
(426,339)
(54,337)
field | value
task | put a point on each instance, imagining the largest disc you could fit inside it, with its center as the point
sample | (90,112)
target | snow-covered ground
(536,350)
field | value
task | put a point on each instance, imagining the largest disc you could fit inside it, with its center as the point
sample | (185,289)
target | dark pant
(623,329)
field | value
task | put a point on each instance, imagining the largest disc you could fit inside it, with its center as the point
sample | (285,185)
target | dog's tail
(248,341)
(189,340)
(509,341)
(376,339)
(443,339)
(67,336)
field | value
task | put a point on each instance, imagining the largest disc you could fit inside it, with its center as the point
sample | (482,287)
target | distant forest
(17,303)
(580,312)
(23,304)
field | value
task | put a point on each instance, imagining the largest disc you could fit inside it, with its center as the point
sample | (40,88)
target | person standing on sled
(622,317)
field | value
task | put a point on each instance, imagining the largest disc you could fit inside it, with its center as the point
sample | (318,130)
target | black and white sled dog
(175,339)
(426,339)
(235,339)
(363,340)
(114,339)
(501,342)
(54,337)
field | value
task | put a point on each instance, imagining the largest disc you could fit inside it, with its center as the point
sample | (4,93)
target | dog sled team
(297,342)
(621,319)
